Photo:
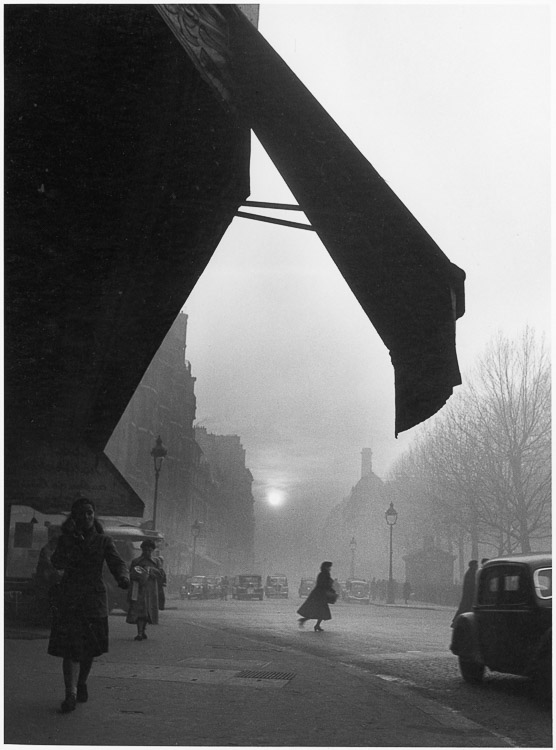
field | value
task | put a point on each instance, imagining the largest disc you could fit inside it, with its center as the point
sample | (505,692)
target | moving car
(509,628)
(247,586)
(276,587)
(357,590)
(306,586)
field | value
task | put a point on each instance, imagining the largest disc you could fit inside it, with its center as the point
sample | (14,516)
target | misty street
(406,647)
(278,325)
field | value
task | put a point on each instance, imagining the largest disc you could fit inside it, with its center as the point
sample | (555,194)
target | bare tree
(482,469)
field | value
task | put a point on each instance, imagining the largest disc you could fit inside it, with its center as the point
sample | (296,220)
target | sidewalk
(198,685)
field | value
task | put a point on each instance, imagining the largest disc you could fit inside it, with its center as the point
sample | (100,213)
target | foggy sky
(451,105)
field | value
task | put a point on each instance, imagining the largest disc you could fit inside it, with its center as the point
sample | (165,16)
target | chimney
(366,462)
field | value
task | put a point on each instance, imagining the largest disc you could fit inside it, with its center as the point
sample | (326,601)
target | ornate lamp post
(391,518)
(158,453)
(353,547)
(195,530)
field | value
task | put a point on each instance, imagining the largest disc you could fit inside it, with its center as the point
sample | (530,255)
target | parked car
(247,586)
(306,586)
(214,584)
(276,587)
(357,590)
(509,628)
(195,588)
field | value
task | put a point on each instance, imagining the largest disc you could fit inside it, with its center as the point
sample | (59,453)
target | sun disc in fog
(275,498)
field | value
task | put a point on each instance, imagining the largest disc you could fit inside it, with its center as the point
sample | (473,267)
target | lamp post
(353,547)
(391,518)
(158,453)
(195,530)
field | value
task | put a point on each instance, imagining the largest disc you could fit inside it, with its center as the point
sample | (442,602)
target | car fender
(465,638)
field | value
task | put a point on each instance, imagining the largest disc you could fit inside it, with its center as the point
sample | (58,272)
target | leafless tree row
(480,473)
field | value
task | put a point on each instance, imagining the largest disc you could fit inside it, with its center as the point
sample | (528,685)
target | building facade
(204,481)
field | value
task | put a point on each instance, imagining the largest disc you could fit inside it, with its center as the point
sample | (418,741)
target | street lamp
(195,530)
(159,454)
(353,547)
(391,518)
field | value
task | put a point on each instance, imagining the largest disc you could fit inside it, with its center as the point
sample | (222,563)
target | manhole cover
(254,674)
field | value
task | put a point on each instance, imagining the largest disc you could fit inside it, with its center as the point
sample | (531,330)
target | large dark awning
(407,286)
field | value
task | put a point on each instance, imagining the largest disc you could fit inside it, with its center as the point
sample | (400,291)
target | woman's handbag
(331,596)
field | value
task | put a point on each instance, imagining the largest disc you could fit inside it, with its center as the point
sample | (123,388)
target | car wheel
(470,670)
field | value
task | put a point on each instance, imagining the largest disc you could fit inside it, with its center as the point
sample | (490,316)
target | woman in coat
(146,575)
(315,606)
(80,614)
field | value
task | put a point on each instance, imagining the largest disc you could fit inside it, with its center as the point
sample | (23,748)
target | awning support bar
(281,206)
(282,222)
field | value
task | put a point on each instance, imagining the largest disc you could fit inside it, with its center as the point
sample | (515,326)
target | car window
(513,589)
(543,583)
(502,587)
(490,585)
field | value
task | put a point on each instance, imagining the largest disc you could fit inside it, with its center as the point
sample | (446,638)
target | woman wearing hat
(146,576)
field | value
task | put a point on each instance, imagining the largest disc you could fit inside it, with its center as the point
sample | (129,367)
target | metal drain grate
(255,674)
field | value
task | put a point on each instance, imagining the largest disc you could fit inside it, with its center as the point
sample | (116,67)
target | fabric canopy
(407,286)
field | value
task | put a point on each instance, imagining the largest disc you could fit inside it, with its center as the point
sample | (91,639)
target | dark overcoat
(315,606)
(146,577)
(82,558)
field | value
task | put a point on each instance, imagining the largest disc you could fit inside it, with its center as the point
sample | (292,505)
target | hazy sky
(451,104)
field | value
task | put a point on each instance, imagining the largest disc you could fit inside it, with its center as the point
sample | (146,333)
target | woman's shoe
(138,638)
(318,629)
(82,694)
(143,636)
(68,704)
(301,622)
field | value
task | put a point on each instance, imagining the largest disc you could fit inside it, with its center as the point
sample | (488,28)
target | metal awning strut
(271,220)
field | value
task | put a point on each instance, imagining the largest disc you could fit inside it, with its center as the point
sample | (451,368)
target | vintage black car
(306,586)
(509,628)
(247,586)
(276,587)
(356,590)
(195,588)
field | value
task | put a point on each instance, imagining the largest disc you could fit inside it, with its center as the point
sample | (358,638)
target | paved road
(405,647)
(242,673)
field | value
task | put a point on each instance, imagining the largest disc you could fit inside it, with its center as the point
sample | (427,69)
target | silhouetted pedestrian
(146,576)
(468,589)
(80,613)
(315,606)
(406,591)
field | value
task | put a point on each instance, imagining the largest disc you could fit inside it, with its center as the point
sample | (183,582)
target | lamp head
(391,515)
(158,453)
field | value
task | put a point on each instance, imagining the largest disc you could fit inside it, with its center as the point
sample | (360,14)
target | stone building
(192,486)
(430,572)
(360,517)
(230,509)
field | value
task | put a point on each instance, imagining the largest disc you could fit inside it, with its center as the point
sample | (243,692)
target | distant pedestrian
(468,589)
(315,606)
(146,577)
(407,591)
(224,588)
(80,613)
(373,587)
